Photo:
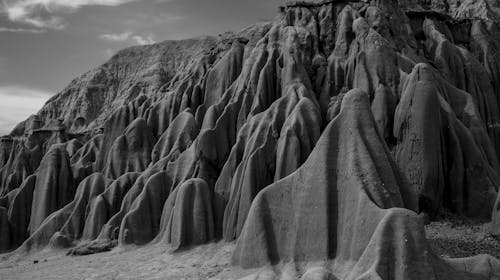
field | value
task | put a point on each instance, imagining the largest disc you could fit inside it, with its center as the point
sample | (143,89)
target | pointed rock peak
(138,127)
(55,186)
(309,4)
(421,72)
(355,101)
(360,27)
(187,217)
(342,177)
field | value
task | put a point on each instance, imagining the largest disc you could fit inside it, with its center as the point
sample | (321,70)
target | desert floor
(449,236)
(210,261)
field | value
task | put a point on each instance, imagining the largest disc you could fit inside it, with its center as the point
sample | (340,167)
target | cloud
(116,36)
(46,13)
(22,30)
(18,103)
(127,35)
(144,40)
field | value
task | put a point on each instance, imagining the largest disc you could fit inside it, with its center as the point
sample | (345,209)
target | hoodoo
(315,146)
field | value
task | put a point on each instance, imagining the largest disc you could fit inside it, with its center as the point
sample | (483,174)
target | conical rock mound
(187,217)
(130,152)
(440,144)
(54,188)
(107,205)
(303,138)
(350,186)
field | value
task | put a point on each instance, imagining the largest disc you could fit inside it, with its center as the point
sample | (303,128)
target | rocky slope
(312,142)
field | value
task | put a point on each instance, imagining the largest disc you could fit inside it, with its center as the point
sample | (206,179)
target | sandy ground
(458,237)
(449,236)
(149,262)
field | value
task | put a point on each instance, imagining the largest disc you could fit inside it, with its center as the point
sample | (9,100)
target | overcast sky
(44,44)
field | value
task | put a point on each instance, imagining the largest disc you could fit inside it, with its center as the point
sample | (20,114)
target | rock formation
(313,142)
(187,217)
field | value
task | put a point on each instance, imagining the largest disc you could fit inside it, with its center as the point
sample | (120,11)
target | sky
(44,44)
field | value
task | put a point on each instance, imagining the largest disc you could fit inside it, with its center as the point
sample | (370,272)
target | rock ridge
(316,143)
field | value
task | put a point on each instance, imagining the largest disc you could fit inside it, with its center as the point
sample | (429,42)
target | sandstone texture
(318,144)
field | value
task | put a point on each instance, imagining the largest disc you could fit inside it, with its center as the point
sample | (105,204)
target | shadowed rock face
(187,217)
(130,152)
(316,138)
(54,186)
(348,170)
(444,160)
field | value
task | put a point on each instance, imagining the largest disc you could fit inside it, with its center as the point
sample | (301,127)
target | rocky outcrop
(142,222)
(88,190)
(358,224)
(442,154)
(65,225)
(256,161)
(5,232)
(90,99)
(21,162)
(313,141)
(106,205)
(187,217)
(131,152)
(20,211)
(54,187)
(84,160)
(177,138)
(360,175)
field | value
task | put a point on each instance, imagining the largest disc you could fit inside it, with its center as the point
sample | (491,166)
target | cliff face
(314,138)
(88,101)
(458,9)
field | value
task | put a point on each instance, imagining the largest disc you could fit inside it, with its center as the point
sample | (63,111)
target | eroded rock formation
(316,138)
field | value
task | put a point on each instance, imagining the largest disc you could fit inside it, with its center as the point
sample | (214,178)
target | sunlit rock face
(316,138)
